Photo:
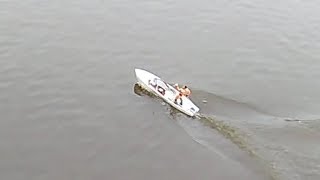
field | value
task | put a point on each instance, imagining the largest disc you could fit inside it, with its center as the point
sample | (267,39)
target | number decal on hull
(160,89)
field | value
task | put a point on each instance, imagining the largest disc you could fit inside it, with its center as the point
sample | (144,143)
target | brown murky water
(70,109)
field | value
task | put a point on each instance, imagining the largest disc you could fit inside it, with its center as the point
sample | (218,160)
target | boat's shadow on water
(140,91)
(137,89)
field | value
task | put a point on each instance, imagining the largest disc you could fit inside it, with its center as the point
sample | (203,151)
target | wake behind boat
(160,88)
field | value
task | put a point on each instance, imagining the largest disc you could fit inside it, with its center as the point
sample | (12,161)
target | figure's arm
(178,88)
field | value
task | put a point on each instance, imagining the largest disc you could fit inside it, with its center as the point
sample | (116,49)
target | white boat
(160,88)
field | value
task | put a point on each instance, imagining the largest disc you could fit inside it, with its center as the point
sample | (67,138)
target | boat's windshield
(161,83)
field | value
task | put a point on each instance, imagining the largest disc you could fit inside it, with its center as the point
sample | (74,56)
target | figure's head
(184,87)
